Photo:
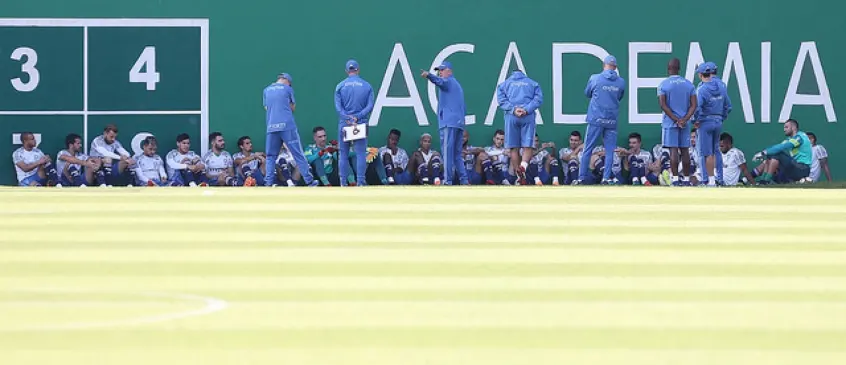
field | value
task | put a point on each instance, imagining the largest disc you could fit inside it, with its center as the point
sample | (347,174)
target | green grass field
(442,276)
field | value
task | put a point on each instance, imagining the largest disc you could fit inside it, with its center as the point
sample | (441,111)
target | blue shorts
(27,181)
(519,133)
(675,137)
(708,137)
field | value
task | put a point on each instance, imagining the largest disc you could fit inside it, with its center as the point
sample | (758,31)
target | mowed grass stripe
(37,244)
(455,256)
(705,211)
(396,235)
(238,296)
(377,338)
(393,269)
(439,356)
(71,222)
(604,283)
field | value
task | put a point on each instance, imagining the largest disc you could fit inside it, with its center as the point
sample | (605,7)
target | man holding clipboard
(353,103)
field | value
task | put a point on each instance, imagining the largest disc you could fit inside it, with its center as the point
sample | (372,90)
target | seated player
(33,167)
(149,167)
(375,173)
(792,156)
(425,164)
(323,158)
(476,162)
(819,162)
(661,156)
(570,156)
(734,162)
(597,166)
(75,168)
(395,160)
(543,166)
(286,169)
(116,159)
(183,166)
(219,164)
(498,156)
(695,169)
(638,162)
(249,165)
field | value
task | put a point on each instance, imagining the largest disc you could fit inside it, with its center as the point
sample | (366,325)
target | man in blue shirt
(353,103)
(712,108)
(677,97)
(451,112)
(605,90)
(519,97)
(280,104)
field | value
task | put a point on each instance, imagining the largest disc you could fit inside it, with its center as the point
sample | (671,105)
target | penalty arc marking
(210,305)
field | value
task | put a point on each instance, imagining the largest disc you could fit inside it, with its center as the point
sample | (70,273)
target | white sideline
(211,305)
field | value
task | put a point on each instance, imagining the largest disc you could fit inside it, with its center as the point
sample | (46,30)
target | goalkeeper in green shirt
(793,156)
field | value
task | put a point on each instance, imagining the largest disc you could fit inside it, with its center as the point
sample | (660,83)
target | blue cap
(444,66)
(611,60)
(705,67)
(352,65)
(285,76)
(711,67)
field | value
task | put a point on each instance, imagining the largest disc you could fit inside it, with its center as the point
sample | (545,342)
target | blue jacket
(353,96)
(713,103)
(451,108)
(519,91)
(605,90)
(277,101)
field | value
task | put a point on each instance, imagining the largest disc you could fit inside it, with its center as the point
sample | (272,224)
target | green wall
(250,42)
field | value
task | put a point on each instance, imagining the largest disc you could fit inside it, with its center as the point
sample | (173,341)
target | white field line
(210,305)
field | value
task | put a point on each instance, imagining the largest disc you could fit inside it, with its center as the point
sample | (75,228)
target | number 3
(28,68)
(149,76)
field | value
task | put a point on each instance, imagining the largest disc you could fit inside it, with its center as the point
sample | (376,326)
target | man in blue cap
(280,104)
(451,112)
(677,97)
(712,108)
(519,96)
(605,90)
(353,103)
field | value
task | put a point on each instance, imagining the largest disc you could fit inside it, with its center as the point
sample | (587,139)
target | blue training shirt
(353,96)
(678,91)
(277,100)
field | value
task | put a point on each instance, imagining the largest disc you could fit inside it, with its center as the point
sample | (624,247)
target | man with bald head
(677,97)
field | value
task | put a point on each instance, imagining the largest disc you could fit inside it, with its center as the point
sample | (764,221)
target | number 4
(149,76)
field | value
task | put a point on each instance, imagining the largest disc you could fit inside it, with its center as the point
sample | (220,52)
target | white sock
(537,180)
(555,179)
(192,184)
(390,179)
(643,180)
(675,178)
(712,180)
(291,183)
(524,165)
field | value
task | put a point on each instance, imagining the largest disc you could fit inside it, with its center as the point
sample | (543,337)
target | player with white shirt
(499,156)
(476,162)
(286,167)
(571,156)
(75,168)
(543,166)
(661,156)
(395,159)
(183,166)
(639,163)
(734,162)
(695,169)
(115,158)
(249,165)
(219,164)
(597,167)
(32,166)
(425,163)
(819,161)
(149,167)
